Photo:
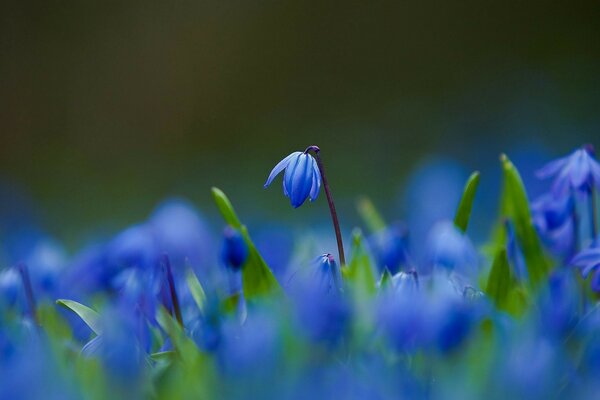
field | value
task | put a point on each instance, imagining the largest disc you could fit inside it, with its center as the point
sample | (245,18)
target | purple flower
(579,171)
(588,261)
(301,180)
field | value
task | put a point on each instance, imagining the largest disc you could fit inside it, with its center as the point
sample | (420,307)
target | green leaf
(231,303)
(196,289)
(168,355)
(359,272)
(386,279)
(257,278)
(500,279)
(184,347)
(89,316)
(226,208)
(463,213)
(515,206)
(369,214)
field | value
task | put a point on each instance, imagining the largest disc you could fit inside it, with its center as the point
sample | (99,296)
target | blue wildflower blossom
(588,261)
(235,249)
(579,171)
(301,180)
(552,218)
(389,247)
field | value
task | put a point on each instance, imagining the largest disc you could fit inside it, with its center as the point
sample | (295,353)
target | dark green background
(108,107)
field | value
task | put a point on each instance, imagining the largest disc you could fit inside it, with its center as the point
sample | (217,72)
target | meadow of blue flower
(164,309)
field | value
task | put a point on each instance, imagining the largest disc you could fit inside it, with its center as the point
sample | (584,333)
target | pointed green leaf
(196,289)
(515,206)
(463,213)
(168,355)
(369,214)
(500,280)
(89,316)
(386,279)
(257,278)
(225,208)
(183,345)
(359,272)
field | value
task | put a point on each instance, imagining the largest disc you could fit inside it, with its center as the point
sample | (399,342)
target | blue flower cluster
(166,308)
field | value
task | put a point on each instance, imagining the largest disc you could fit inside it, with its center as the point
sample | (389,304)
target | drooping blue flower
(578,171)
(552,218)
(406,281)
(588,261)
(301,180)
(235,250)
(389,247)
(326,273)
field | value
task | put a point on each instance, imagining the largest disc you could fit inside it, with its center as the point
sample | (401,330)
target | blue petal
(316,181)
(579,169)
(280,167)
(298,180)
(552,168)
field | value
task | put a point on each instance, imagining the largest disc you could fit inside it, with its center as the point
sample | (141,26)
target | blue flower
(389,247)
(235,249)
(301,180)
(578,171)
(451,249)
(588,261)
(552,218)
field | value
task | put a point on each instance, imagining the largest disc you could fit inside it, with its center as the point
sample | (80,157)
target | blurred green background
(108,107)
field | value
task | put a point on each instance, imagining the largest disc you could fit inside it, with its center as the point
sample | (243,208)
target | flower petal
(280,167)
(316,181)
(552,168)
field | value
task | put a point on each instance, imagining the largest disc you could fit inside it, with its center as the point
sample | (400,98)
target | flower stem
(174,298)
(28,291)
(334,218)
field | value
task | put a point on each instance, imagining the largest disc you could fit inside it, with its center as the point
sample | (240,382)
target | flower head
(588,261)
(301,180)
(235,249)
(578,171)
(390,247)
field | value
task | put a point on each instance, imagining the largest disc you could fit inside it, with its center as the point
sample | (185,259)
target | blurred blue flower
(578,171)
(133,247)
(451,249)
(252,349)
(390,247)
(301,179)
(180,231)
(588,261)
(406,281)
(235,250)
(322,310)
(559,302)
(552,218)
(119,347)
(10,286)
(402,317)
